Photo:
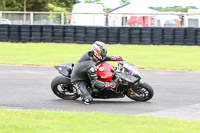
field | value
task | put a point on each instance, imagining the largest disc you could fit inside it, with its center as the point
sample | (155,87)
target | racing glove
(110,84)
(116,59)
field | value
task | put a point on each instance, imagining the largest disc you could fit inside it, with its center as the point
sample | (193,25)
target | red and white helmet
(100,50)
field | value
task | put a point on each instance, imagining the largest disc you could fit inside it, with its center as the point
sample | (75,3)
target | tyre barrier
(47,33)
(198,36)
(58,33)
(113,35)
(69,34)
(190,36)
(157,36)
(4,33)
(102,34)
(90,34)
(25,33)
(168,36)
(146,33)
(36,33)
(124,36)
(14,35)
(135,35)
(179,36)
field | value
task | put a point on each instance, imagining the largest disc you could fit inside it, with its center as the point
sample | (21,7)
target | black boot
(83,92)
(87,99)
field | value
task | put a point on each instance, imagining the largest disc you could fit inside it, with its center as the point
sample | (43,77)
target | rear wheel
(143,92)
(62,87)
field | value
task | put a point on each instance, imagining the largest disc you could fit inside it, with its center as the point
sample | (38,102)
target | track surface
(177,93)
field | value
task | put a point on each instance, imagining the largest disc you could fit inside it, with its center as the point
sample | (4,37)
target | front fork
(134,88)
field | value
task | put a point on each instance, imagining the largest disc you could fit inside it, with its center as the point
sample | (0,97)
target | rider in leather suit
(84,71)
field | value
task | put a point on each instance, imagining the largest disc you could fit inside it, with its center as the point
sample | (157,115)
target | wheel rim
(143,93)
(140,94)
(64,90)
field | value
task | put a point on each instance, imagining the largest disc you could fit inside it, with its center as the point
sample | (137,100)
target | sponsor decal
(101,68)
(92,69)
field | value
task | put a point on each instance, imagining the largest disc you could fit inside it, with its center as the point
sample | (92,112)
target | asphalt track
(177,93)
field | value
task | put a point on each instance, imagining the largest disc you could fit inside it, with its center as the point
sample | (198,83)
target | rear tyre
(144,92)
(62,87)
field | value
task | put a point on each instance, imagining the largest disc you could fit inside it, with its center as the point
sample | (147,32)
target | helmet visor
(103,54)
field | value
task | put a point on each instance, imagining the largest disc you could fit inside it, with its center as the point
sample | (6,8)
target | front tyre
(143,92)
(62,87)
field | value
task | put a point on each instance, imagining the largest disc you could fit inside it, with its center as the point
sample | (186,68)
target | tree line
(67,5)
(174,8)
(47,5)
(37,5)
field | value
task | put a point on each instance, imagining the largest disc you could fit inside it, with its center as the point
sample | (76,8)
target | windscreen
(129,68)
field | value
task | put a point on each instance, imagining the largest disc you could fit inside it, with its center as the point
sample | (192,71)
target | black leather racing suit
(84,72)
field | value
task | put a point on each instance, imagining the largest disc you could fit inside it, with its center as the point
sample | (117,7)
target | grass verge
(153,57)
(143,56)
(71,122)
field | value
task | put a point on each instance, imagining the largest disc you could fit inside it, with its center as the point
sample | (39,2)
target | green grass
(153,57)
(143,56)
(14,121)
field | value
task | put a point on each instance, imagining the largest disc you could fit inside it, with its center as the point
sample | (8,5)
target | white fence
(102,19)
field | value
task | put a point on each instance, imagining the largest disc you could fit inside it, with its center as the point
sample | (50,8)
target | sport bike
(125,75)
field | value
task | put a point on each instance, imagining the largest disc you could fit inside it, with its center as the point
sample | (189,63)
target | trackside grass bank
(14,121)
(143,56)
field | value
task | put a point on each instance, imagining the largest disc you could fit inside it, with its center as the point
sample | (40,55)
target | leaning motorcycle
(126,75)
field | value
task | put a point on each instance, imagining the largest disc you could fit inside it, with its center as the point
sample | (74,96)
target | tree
(88,1)
(97,2)
(35,5)
(123,2)
(56,8)
(4,4)
(24,5)
(93,1)
(174,9)
(67,4)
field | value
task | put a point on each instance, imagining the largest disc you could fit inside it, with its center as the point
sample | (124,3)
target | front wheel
(143,92)
(62,87)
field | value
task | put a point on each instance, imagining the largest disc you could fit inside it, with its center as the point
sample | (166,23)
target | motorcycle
(126,76)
